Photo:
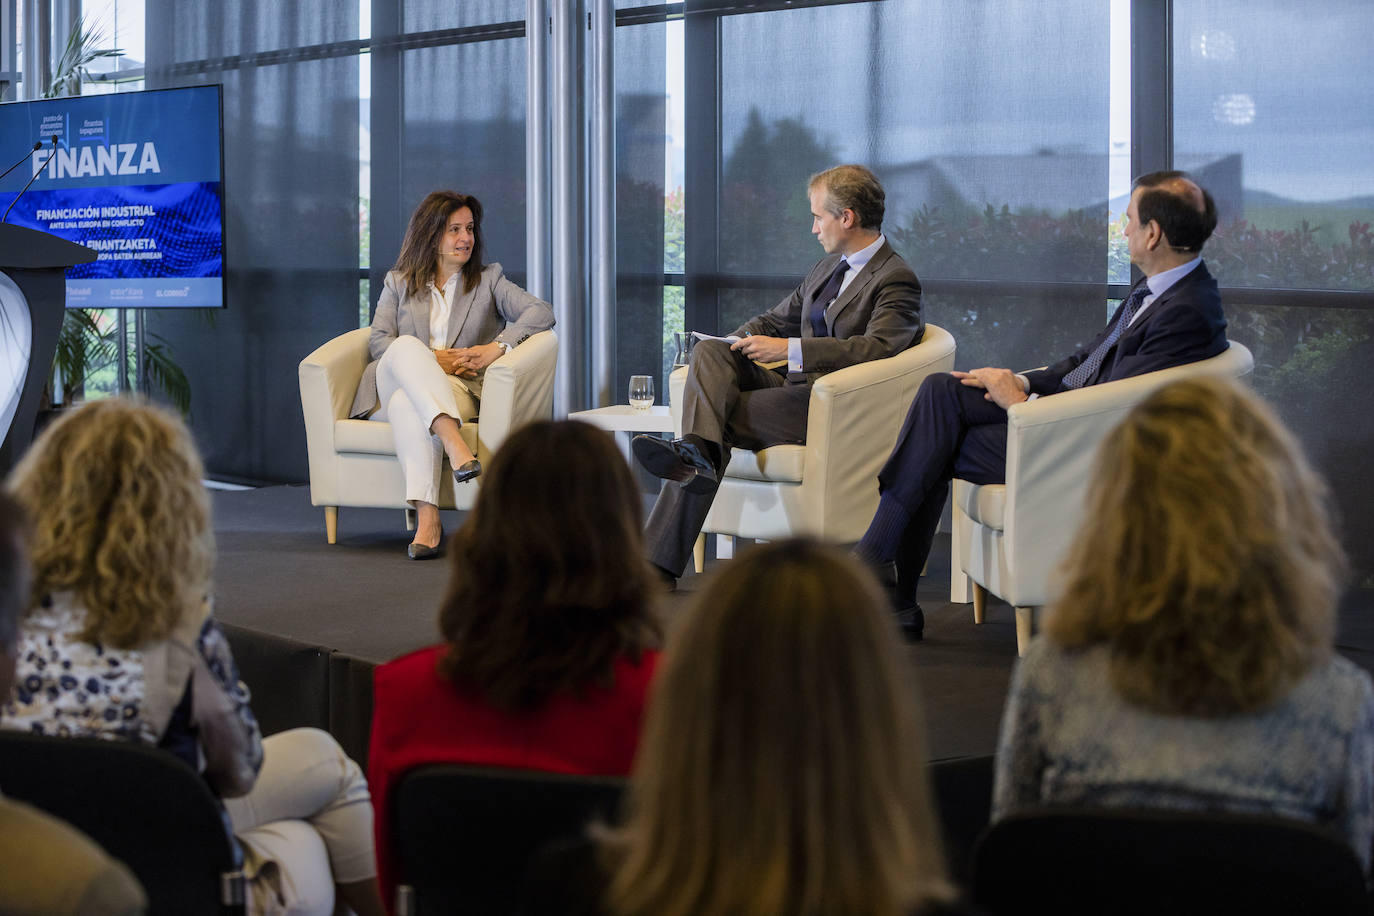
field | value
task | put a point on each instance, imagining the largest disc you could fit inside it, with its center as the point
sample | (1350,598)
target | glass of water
(682,349)
(641,392)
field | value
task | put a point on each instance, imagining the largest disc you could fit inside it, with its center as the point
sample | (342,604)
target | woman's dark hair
(549,582)
(419,255)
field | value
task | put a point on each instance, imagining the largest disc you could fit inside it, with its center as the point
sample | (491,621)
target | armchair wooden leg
(1025,625)
(405,900)
(699,553)
(960,585)
(331,523)
(980,602)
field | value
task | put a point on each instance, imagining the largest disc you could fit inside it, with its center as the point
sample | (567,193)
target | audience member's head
(120,517)
(1184,209)
(782,768)
(549,585)
(852,187)
(1206,560)
(419,254)
(14,585)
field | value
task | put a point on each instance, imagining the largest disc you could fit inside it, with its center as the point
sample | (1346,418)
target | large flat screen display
(136,176)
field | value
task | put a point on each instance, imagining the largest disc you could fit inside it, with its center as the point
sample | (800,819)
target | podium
(33,296)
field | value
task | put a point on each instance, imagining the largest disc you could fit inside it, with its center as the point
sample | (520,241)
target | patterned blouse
(182,692)
(1068,738)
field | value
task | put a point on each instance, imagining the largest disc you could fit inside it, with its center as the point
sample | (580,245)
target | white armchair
(353,462)
(1008,538)
(828,487)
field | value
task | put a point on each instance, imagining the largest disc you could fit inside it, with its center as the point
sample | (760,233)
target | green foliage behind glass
(1242,254)
(997,243)
(765,217)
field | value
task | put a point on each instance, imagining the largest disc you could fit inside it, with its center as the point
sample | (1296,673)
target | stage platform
(309,621)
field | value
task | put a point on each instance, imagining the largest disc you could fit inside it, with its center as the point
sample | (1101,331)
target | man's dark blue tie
(1088,368)
(825,297)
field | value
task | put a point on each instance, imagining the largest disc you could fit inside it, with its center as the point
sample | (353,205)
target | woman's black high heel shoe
(421,552)
(467,470)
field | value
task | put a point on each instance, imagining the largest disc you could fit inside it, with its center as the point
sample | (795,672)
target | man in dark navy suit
(957,425)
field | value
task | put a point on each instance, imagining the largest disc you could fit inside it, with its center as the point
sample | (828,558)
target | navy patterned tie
(825,297)
(1088,368)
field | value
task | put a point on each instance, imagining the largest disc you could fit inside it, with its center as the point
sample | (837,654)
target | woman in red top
(547,626)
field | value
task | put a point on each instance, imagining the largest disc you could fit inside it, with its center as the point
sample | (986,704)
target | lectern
(33,295)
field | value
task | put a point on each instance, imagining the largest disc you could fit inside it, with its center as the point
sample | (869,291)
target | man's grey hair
(852,187)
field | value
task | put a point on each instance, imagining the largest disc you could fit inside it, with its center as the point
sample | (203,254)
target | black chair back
(962,788)
(144,806)
(463,836)
(1128,862)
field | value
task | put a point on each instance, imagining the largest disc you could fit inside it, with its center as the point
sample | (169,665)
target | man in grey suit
(860,302)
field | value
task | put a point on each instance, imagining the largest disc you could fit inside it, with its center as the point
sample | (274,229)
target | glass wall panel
(429,15)
(1307,362)
(464,128)
(738,304)
(207,30)
(640,111)
(291,192)
(1271,109)
(995,159)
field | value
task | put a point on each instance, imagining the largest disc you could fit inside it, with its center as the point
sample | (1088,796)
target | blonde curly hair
(120,517)
(1207,562)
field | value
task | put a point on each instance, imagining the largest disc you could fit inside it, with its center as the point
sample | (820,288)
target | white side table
(622,418)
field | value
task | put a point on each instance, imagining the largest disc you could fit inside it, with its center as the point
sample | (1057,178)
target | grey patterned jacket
(1068,738)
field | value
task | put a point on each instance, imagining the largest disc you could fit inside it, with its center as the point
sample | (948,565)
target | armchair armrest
(853,420)
(932,354)
(677,381)
(329,379)
(333,370)
(1051,443)
(518,389)
(1051,446)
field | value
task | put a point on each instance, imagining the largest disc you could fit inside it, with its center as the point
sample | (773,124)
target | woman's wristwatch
(505,347)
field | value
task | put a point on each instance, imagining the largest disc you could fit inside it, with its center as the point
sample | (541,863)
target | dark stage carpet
(308,621)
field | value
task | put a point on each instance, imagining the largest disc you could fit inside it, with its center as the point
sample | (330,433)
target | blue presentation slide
(137,178)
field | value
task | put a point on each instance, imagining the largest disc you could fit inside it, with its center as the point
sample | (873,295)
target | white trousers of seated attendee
(304,826)
(412,390)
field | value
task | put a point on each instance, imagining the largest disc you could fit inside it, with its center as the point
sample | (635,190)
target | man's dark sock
(884,535)
(709,450)
(908,568)
(667,579)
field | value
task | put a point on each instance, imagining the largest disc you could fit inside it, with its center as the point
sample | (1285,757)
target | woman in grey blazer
(442,318)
